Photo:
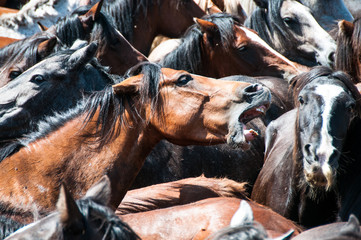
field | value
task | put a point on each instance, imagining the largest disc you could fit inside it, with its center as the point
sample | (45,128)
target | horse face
(53,84)
(325,112)
(253,54)
(212,110)
(312,45)
(177,15)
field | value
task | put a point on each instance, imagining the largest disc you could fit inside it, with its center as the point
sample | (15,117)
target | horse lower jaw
(241,137)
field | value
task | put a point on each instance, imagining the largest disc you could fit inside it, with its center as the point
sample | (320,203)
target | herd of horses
(244,123)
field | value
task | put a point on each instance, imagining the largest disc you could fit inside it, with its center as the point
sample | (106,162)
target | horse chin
(320,177)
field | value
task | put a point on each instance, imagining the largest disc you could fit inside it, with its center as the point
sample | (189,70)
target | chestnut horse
(118,129)
(141,21)
(200,219)
(348,49)
(86,218)
(179,192)
(219,46)
(4,41)
(308,165)
(289,28)
(169,162)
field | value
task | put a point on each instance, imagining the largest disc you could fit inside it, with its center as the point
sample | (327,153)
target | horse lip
(253,112)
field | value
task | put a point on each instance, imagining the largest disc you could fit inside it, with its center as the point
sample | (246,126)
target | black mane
(111,106)
(267,21)
(123,12)
(187,56)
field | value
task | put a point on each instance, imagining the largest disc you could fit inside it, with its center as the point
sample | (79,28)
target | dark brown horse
(86,218)
(348,49)
(141,21)
(119,128)
(334,231)
(309,151)
(201,219)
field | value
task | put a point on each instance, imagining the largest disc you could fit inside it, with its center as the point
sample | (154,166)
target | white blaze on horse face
(329,94)
(311,36)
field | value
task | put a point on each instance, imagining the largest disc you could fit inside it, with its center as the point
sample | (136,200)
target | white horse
(24,23)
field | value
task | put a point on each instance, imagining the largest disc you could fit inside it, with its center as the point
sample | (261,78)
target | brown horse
(307,169)
(4,10)
(87,218)
(141,21)
(201,219)
(179,193)
(119,128)
(348,49)
(219,46)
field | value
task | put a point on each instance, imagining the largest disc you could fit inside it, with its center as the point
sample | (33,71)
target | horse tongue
(249,134)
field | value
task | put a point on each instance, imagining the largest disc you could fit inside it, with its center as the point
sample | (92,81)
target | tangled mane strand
(111,106)
(188,56)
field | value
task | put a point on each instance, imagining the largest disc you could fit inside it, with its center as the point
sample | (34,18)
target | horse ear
(261,3)
(100,192)
(128,86)
(92,15)
(243,215)
(352,226)
(70,215)
(82,56)
(42,27)
(285,236)
(213,10)
(209,28)
(46,47)
(346,27)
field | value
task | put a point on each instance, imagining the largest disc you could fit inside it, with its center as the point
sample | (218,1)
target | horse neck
(145,29)
(68,156)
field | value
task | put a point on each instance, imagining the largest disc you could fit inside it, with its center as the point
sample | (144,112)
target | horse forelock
(111,106)
(111,226)
(69,29)
(188,55)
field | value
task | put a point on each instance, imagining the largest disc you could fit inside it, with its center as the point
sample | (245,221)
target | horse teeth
(261,109)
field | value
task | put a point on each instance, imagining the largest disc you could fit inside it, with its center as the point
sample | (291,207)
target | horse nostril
(331,57)
(308,149)
(253,88)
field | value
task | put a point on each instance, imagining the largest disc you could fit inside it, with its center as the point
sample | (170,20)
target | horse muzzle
(320,176)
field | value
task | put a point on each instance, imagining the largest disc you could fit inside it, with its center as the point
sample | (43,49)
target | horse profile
(289,28)
(86,218)
(307,167)
(219,46)
(119,127)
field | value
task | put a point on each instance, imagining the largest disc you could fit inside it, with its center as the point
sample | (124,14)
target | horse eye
(300,99)
(351,107)
(38,79)
(289,20)
(14,74)
(242,48)
(183,80)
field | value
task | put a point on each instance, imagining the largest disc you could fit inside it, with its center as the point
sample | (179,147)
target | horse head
(217,110)
(289,27)
(327,103)
(87,218)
